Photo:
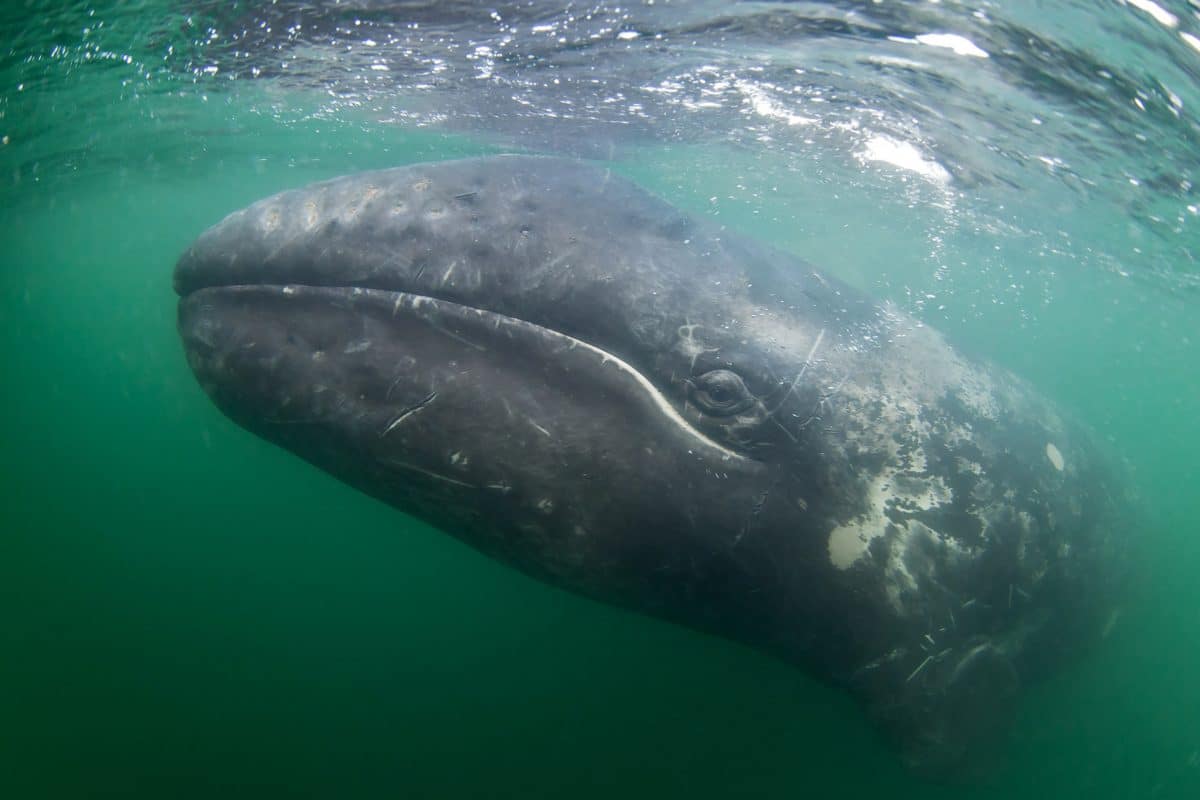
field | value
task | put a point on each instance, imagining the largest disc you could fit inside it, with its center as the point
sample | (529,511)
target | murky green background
(186,611)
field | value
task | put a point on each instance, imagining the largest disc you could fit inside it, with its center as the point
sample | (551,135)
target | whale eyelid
(720,392)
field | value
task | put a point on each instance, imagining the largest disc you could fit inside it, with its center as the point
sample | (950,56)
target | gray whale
(571,375)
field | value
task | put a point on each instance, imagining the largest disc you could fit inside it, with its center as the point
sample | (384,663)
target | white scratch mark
(455,336)
(408,412)
(430,473)
(917,671)
(807,360)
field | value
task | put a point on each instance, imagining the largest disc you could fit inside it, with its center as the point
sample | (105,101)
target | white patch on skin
(289,290)
(850,542)
(899,579)
(899,369)
(978,394)
(689,346)
(969,466)
(889,414)
(1055,457)
(457,459)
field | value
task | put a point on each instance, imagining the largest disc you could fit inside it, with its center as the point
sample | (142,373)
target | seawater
(186,611)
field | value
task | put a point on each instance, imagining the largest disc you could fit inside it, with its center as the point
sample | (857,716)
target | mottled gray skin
(576,378)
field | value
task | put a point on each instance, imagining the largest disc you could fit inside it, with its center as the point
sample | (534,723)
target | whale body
(571,375)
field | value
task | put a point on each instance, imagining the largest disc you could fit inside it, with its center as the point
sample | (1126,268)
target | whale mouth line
(416,303)
(400,298)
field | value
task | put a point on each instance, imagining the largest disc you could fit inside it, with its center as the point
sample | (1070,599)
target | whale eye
(720,393)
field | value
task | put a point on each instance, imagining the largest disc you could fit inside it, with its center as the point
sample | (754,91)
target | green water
(186,611)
